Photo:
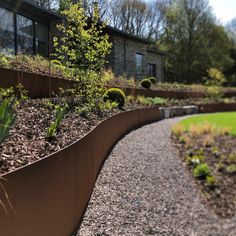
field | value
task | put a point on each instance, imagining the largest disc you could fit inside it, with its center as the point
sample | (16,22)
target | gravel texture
(144,189)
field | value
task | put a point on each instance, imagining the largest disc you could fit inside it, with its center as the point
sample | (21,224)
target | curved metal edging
(50,196)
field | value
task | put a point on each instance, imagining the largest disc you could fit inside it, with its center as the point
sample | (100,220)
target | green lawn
(221,120)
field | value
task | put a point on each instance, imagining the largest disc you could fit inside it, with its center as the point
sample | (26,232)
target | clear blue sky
(225,10)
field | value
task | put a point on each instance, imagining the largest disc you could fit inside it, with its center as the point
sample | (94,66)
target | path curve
(144,189)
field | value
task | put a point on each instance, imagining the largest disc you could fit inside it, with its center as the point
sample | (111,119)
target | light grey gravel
(144,189)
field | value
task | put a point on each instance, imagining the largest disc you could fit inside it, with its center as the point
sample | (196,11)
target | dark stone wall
(122,58)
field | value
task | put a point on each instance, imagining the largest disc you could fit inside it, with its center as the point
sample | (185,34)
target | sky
(225,10)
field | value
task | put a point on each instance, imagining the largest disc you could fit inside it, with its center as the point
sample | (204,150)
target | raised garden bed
(49,196)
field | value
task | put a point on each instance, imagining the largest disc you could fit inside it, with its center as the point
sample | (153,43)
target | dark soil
(221,159)
(27,141)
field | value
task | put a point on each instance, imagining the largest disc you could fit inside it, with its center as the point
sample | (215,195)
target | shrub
(146,83)
(195,160)
(3,61)
(201,171)
(115,95)
(216,77)
(153,80)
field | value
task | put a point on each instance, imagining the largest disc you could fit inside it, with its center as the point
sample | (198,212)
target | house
(29,28)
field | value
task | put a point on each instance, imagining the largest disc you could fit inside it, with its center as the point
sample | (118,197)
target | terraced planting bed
(207,145)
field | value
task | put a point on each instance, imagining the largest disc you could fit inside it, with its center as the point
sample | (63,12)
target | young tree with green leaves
(82,49)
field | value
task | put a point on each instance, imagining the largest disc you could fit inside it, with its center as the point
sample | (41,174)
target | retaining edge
(50,196)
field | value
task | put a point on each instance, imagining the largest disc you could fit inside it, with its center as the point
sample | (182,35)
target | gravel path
(144,189)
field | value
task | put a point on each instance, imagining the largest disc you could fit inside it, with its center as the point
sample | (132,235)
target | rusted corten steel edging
(50,196)
(217,107)
(38,86)
(42,86)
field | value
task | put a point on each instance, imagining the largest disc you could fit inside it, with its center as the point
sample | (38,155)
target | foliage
(194,40)
(201,171)
(7,118)
(211,181)
(152,79)
(23,93)
(60,114)
(82,50)
(83,111)
(157,101)
(6,93)
(195,159)
(146,83)
(216,77)
(231,169)
(3,60)
(83,45)
(115,95)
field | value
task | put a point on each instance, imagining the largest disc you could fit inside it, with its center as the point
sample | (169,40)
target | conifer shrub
(146,83)
(115,95)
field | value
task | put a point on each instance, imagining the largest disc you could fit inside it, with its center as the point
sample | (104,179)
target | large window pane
(24,35)
(7,31)
(139,63)
(41,34)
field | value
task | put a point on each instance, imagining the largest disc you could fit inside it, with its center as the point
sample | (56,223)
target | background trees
(195,42)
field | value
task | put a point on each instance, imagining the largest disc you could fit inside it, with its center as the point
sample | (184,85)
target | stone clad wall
(154,58)
(122,57)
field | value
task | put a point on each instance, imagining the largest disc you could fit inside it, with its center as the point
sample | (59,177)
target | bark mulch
(27,141)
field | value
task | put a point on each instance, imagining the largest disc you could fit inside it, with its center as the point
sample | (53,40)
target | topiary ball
(146,83)
(153,80)
(115,95)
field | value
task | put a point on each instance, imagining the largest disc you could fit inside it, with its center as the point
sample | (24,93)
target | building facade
(28,28)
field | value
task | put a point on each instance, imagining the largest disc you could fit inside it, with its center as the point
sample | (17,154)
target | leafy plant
(195,160)
(146,83)
(231,169)
(83,111)
(6,93)
(3,61)
(60,114)
(201,171)
(7,118)
(115,95)
(211,181)
(22,92)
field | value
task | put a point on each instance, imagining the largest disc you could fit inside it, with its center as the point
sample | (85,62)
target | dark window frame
(154,69)
(137,70)
(34,31)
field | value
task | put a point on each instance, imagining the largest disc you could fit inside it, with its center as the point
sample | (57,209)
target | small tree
(82,49)
(83,44)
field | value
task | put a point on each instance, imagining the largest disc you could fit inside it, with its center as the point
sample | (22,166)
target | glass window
(41,35)
(152,70)
(139,63)
(25,37)
(7,31)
